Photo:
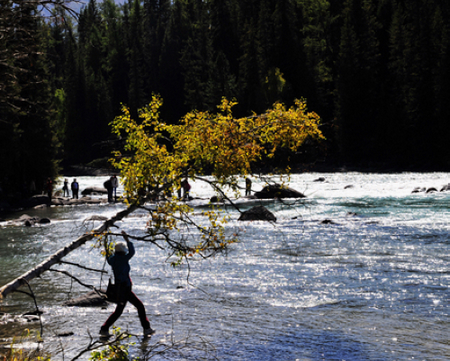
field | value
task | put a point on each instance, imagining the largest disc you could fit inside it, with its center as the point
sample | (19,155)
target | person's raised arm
(131,250)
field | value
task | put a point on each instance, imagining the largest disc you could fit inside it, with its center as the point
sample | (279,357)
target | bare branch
(73,277)
(84,267)
(38,312)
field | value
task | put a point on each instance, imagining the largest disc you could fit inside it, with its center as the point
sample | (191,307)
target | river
(369,283)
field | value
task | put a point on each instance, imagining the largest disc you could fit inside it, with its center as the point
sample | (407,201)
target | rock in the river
(96,218)
(73,202)
(327,221)
(258,213)
(419,190)
(29,221)
(94,190)
(216,199)
(90,299)
(278,191)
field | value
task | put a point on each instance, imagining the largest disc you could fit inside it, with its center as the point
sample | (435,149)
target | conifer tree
(28,145)
(412,63)
(115,64)
(357,82)
(251,97)
(93,98)
(225,32)
(442,35)
(171,71)
(156,16)
(197,60)
(317,20)
(74,89)
(223,35)
(137,71)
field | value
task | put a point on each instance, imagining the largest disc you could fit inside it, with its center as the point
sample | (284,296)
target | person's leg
(113,317)
(136,302)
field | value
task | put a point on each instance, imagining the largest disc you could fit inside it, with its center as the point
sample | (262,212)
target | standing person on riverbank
(248,187)
(114,185)
(66,188)
(74,186)
(109,189)
(186,188)
(49,189)
(121,269)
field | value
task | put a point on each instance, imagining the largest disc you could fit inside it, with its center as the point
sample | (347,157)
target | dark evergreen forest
(376,71)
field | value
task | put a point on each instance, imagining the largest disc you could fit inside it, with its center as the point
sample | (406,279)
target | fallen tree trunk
(56,257)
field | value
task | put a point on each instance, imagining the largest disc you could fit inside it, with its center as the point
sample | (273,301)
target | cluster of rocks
(271,191)
(42,200)
(28,221)
(444,188)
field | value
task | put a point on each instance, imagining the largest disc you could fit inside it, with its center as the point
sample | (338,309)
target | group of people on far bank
(74,186)
(111,186)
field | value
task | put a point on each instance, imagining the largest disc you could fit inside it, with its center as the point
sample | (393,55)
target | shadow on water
(296,344)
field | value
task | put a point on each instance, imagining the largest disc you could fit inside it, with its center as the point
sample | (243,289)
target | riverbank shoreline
(300,168)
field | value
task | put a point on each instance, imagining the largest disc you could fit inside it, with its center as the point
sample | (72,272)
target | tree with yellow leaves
(158,156)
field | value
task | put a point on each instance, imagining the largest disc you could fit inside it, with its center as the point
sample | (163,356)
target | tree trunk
(56,257)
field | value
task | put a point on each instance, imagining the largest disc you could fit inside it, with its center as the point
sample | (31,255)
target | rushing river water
(372,284)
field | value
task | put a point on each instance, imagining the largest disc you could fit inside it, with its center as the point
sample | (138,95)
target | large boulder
(258,213)
(216,199)
(278,191)
(94,190)
(85,200)
(29,221)
(90,299)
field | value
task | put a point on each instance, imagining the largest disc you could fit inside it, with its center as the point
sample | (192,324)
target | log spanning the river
(56,257)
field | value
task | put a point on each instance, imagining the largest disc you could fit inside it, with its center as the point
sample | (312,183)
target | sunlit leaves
(228,146)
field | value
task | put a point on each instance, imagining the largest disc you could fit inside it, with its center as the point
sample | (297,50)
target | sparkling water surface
(357,270)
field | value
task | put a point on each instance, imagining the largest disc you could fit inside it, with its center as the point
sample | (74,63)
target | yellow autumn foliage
(157,156)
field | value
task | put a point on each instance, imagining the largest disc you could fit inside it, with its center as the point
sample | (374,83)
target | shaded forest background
(376,71)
